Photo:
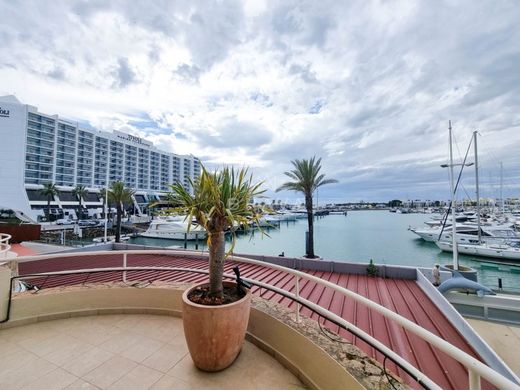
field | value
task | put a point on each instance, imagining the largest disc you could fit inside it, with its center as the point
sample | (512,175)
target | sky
(368,86)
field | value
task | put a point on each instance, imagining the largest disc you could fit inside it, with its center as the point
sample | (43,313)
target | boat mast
(453,218)
(477,186)
(502,187)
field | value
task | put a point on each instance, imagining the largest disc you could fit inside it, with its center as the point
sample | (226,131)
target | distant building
(37,148)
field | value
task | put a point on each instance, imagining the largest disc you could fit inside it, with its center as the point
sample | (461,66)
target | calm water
(358,237)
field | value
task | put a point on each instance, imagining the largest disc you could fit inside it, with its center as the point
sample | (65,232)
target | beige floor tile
(129,322)
(30,371)
(21,333)
(186,371)
(109,372)
(142,349)
(515,330)
(261,370)
(157,342)
(13,361)
(45,346)
(8,347)
(95,335)
(140,377)
(120,342)
(166,357)
(504,340)
(166,333)
(84,363)
(69,352)
(170,382)
(54,380)
(80,384)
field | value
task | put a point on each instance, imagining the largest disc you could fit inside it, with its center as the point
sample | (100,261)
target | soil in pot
(200,295)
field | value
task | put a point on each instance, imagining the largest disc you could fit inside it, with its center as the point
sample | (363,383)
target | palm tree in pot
(119,195)
(80,192)
(50,191)
(307,179)
(220,201)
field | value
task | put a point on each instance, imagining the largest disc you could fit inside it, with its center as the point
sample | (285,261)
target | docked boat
(468,234)
(174,228)
(438,221)
(497,251)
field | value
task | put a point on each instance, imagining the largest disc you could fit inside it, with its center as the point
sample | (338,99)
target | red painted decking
(402,296)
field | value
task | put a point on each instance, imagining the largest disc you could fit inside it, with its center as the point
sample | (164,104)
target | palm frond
(306,176)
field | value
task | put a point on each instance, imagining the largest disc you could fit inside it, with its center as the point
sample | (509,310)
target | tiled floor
(123,352)
(504,339)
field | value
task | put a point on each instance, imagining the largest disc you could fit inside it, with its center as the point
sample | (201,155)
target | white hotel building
(37,148)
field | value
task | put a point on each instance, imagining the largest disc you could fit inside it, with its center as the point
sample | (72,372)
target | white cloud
(368,86)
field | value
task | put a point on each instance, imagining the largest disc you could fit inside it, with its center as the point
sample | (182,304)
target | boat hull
(493,251)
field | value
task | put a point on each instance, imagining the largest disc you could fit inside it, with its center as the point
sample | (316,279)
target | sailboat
(505,250)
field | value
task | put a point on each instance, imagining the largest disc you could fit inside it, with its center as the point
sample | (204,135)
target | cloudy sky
(367,85)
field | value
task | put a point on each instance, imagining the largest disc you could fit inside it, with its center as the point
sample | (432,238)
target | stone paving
(123,352)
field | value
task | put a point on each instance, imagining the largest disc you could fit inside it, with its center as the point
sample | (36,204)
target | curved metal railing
(476,369)
(4,245)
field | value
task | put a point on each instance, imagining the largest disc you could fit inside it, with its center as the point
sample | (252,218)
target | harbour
(351,238)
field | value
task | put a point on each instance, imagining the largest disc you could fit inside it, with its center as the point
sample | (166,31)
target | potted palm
(215,314)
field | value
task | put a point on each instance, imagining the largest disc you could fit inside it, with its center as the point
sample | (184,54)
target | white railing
(476,369)
(4,245)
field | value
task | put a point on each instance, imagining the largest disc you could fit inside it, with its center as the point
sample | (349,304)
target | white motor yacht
(468,234)
(174,228)
(433,234)
(498,251)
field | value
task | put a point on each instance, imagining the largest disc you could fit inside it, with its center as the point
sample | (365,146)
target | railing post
(124,266)
(474,380)
(297,284)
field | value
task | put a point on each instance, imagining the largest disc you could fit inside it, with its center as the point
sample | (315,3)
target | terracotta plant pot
(215,334)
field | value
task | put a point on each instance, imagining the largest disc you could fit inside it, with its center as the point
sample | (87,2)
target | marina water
(359,237)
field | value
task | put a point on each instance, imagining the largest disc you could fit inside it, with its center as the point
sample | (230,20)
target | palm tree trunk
(310,222)
(216,263)
(118,223)
(48,209)
(80,211)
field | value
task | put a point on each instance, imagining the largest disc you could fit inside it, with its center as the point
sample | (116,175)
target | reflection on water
(358,237)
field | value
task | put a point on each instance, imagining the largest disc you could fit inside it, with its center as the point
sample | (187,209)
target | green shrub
(372,269)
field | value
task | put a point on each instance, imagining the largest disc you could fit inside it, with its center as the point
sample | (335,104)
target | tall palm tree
(220,200)
(103,195)
(119,195)
(306,179)
(80,192)
(50,191)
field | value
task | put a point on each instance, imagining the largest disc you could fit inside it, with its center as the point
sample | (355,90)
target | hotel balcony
(110,318)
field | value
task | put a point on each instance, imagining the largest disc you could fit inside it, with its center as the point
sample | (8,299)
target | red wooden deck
(402,296)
